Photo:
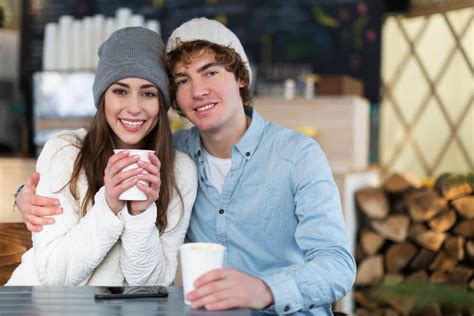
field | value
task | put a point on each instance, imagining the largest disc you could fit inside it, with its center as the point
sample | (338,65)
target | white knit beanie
(209,30)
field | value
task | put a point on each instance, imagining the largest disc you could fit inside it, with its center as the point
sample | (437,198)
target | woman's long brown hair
(97,147)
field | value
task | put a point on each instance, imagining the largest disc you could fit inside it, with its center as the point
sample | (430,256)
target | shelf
(342,123)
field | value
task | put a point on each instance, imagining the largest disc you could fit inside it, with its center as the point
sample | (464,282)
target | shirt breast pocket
(256,204)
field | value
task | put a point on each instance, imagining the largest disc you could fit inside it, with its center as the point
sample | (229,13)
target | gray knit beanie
(211,31)
(131,52)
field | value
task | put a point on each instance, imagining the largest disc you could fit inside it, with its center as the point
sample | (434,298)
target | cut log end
(394,227)
(398,256)
(373,202)
(430,240)
(444,221)
(370,271)
(452,186)
(370,241)
(423,204)
(464,206)
(398,183)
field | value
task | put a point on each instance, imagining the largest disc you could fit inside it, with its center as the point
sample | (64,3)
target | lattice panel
(427,108)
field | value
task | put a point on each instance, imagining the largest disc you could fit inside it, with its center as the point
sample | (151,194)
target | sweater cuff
(286,296)
(146,218)
(105,214)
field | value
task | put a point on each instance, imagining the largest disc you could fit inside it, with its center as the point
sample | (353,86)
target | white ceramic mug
(134,193)
(197,259)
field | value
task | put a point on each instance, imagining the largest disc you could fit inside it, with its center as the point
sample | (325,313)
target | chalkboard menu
(281,37)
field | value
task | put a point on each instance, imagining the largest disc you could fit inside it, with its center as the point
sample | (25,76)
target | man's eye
(211,73)
(181,82)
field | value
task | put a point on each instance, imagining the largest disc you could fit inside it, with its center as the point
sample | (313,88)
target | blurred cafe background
(386,88)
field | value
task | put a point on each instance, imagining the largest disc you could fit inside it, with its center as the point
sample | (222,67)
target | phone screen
(115,292)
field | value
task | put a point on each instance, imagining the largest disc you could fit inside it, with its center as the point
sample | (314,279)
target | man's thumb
(33,180)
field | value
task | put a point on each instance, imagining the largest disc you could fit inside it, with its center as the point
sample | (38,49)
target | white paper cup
(197,259)
(134,193)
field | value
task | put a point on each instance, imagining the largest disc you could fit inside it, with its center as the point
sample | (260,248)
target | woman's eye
(119,91)
(149,94)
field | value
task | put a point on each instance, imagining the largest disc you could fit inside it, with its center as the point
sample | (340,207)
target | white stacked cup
(153,25)
(64,40)
(97,37)
(197,259)
(109,27)
(87,53)
(123,17)
(50,47)
(134,193)
(76,43)
(137,20)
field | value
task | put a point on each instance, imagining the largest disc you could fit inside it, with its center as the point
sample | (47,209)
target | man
(265,192)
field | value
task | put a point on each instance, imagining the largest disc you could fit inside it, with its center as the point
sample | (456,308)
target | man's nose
(199,89)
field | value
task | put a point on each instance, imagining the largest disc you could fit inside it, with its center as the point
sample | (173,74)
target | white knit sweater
(102,248)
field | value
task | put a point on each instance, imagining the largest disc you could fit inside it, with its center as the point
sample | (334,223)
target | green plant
(426,293)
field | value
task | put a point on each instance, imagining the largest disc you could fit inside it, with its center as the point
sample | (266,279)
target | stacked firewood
(414,232)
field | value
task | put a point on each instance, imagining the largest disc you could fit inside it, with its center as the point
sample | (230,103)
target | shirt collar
(195,144)
(246,145)
(249,142)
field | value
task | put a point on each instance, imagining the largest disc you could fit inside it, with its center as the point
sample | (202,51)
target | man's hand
(35,208)
(228,288)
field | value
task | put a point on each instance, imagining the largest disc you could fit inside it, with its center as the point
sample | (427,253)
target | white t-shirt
(216,169)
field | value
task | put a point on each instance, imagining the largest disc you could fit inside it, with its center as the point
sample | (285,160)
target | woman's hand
(152,189)
(115,180)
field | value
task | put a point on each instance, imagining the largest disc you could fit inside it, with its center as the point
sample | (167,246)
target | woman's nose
(133,106)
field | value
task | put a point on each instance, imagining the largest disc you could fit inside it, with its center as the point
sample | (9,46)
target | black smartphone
(119,292)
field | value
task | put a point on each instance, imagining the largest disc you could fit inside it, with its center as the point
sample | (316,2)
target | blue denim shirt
(279,215)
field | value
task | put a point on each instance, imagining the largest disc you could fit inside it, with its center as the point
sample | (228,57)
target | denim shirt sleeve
(179,140)
(328,272)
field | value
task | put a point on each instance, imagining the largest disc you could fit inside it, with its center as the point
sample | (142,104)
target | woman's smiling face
(131,110)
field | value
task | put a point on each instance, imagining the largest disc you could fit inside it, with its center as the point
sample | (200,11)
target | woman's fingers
(117,157)
(125,176)
(124,186)
(149,167)
(119,180)
(151,193)
(150,178)
(116,164)
(154,160)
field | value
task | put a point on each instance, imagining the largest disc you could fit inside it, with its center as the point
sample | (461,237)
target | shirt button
(287,308)
(199,153)
(247,154)
(311,306)
(221,211)
(202,179)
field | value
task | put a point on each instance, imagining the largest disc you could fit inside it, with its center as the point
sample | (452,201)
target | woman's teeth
(205,107)
(132,124)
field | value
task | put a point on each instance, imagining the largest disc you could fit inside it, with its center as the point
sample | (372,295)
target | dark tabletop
(79,300)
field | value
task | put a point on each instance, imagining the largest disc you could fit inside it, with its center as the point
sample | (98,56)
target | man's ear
(241,83)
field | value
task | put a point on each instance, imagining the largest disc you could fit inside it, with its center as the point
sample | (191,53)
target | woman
(101,240)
